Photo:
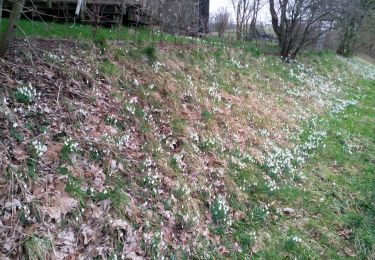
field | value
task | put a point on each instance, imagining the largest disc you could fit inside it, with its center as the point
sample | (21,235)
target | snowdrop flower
(39,148)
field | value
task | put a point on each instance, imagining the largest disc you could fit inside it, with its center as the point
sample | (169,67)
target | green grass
(35,248)
(336,197)
(108,68)
(350,202)
(140,36)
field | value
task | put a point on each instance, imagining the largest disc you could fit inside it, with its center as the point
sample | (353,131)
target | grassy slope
(336,199)
(219,125)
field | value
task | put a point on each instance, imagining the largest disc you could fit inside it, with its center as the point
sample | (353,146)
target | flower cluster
(272,185)
(194,136)
(152,180)
(118,141)
(341,105)
(189,81)
(111,120)
(154,243)
(366,70)
(187,219)
(26,94)
(279,161)
(55,57)
(220,212)
(261,212)
(95,154)
(213,91)
(182,191)
(237,64)
(157,65)
(296,239)
(70,145)
(241,160)
(131,105)
(179,160)
(207,143)
(248,186)
(253,235)
(39,148)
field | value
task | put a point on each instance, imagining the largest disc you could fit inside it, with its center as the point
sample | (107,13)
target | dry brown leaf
(52,153)
(63,205)
(349,252)
(19,154)
(133,256)
(346,233)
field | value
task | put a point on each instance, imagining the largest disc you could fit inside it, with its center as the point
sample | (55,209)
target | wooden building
(189,17)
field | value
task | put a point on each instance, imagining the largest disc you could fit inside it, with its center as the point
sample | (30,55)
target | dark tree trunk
(11,27)
(346,45)
(1,9)
(280,28)
(275,20)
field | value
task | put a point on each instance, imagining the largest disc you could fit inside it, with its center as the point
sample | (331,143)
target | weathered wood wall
(189,17)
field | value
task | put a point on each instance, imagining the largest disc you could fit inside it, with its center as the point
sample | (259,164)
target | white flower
(39,148)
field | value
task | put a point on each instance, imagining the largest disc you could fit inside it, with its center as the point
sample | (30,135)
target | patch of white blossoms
(118,141)
(70,145)
(296,239)
(285,161)
(183,191)
(39,148)
(213,91)
(131,105)
(341,105)
(365,69)
(242,160)
(27,94)
(152,180)
(220,211)
(157,66)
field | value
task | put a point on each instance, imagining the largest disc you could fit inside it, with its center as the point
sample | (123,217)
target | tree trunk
(275,20)
(1,9)
(346,45)
(11,27)
(238,24)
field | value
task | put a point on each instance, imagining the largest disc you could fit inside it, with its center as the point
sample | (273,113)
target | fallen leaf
(19,154)
(349,252)
(63,205)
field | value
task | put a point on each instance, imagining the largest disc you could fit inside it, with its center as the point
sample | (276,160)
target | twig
(58,95)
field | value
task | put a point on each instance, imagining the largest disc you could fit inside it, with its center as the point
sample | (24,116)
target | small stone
(289,211)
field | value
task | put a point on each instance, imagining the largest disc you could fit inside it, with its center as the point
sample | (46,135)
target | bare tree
(246,15)
(365,42)
(221,21)
(353,16)
(299,23)
(96,16)
(252,30)
(11,26)
(242,10)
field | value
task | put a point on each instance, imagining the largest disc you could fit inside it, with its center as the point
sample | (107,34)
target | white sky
(216,5)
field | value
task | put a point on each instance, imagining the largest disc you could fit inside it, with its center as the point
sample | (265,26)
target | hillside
(127,150)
